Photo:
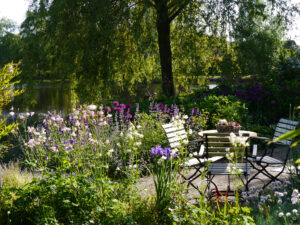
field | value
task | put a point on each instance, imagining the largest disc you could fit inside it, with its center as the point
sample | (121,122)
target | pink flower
(115,103)
(107,109)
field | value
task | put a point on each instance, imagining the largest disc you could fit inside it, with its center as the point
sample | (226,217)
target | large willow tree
(109,45)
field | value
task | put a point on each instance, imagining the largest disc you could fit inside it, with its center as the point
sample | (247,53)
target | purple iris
(159,151)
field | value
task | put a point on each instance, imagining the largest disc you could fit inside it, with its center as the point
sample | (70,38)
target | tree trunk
(164,44)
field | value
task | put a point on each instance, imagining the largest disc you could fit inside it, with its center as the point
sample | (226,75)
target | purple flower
(282,85)
(115,103)
(206,92)
(123,106)
(159,151)
(156,151)
(128,116)
(128,106)
(71,141)
(117,109)
(107,109)
(198,95)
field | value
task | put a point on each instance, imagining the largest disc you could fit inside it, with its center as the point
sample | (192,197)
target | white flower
(190,131)
(121,134)
(30,129)
(92,107)
(53,149)
(31,143)
(295,211)
(31,113)
(138,143)
(288,214)
(185,117)
(279,201)
(11,113)
(66,129)
(185,141)
(109,153)
(281,214)
(77,123)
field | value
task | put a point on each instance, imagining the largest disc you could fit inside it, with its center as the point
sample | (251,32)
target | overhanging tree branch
(175,12)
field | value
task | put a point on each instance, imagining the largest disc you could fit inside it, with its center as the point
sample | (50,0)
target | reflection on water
(57,96)
(43,98)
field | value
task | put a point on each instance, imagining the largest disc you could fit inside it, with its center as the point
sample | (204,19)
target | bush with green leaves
(8,75)
(75,199)
(223,107)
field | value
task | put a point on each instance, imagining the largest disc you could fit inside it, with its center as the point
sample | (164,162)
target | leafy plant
(7,91)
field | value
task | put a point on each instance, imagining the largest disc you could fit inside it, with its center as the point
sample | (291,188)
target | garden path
(147,187)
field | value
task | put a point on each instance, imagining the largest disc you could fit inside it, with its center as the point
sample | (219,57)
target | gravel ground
(147,187)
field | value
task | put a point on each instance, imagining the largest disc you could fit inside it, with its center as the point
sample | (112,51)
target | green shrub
(224,107)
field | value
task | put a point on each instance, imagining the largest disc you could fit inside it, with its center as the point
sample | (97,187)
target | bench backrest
(284,126)
(176,134)
(218,144)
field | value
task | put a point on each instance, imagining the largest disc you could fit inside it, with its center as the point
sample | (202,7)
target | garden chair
(219,145)
(261,163)
(177,135)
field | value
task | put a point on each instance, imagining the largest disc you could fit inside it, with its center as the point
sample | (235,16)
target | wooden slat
(282,130)
(269,160)
(178,138)
(289,122)
(223,154)
(173,129)
(219,144)
(286,126)
(175,145)
(213,138)
(225,134)
(177,133)
(224,149)
(226,168)
(167,125)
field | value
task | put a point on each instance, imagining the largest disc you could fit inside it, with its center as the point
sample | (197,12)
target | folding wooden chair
(266,161)
(177,135)
(218,144)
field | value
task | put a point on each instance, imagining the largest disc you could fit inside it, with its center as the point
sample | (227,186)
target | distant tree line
(108,47)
